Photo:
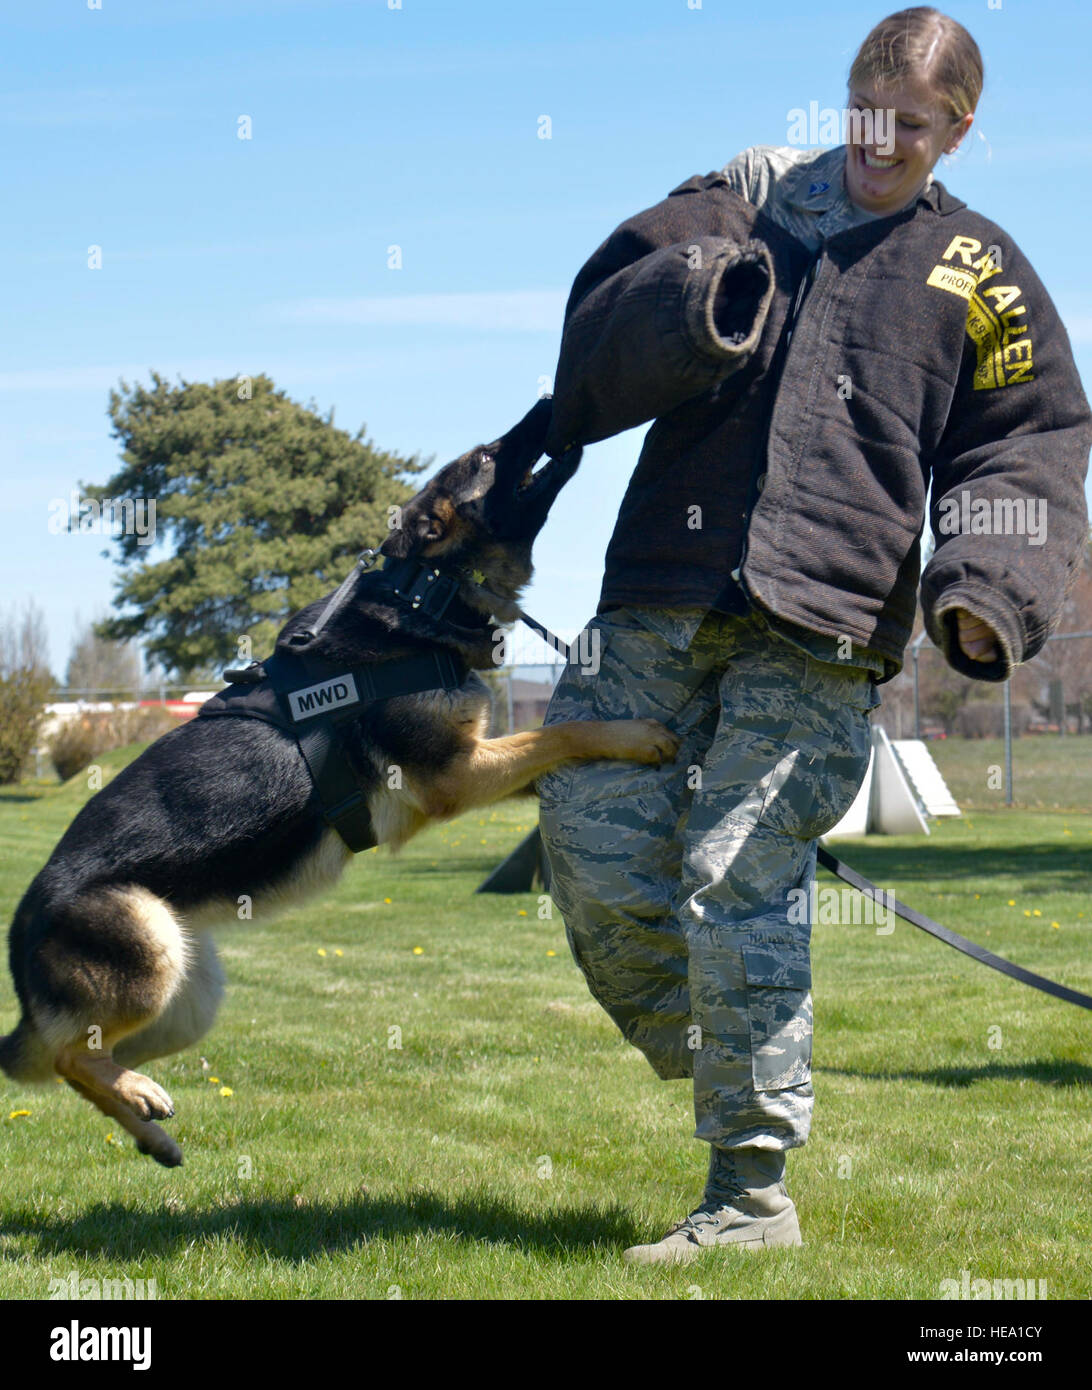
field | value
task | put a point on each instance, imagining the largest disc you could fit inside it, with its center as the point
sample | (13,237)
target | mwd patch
(320,699)
(314,703)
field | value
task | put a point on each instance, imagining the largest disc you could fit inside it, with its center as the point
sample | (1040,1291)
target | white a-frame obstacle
(902,787)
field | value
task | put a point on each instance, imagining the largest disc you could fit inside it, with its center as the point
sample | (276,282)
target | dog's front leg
(495,767)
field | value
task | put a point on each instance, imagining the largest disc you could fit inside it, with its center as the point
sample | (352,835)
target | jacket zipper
(808,280)
(810,277)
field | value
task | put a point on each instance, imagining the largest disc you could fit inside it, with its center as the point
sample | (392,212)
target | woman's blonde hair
(921,43)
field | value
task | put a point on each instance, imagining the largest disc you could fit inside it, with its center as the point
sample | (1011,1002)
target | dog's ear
(418,527)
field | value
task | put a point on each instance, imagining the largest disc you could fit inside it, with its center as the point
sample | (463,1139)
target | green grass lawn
(1048,772)
(513,1145)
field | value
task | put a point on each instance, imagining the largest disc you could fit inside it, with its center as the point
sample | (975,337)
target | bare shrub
(79,741)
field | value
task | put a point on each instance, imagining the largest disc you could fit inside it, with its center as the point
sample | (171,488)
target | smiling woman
(924,71)
(763,575)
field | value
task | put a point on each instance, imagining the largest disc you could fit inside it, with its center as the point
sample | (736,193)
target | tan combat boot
(745,1205)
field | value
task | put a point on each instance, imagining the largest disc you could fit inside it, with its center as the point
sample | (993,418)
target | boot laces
(711,1214)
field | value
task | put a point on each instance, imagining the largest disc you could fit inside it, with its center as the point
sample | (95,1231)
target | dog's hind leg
(189,1015)
(108,962)
(150,1138)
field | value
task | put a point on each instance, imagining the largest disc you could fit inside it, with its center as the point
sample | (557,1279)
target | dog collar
(424,587)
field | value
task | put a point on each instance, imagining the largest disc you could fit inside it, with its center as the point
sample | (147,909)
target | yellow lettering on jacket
(962,246)
(994,317)
(947,277)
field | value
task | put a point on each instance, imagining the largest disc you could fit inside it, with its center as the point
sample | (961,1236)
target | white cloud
(85,107)
(502,311)
(290,374)
(95,378)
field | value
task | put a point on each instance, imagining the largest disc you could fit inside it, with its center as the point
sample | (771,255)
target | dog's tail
(24,1055)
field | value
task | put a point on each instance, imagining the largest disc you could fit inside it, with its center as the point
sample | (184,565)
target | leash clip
(364,561)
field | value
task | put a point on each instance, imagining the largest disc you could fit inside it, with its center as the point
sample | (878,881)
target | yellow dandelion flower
(214,1081)
(481,842)
(1012,902)
(418,950)
(386,900)
(321,951)
(522,912)
(1026,912)
(226,1091)
(16,1114)
(977,896)
(551,953)
(1036,913)
(338,951)
(1056,924)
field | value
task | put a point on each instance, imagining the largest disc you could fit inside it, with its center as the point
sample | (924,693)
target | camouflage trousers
(677,883)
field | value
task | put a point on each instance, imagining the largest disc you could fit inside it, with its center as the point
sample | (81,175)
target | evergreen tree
(260,507)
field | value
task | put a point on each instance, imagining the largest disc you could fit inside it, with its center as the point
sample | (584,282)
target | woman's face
(883,179)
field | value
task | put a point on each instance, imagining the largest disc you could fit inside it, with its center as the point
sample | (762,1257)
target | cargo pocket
(824,758)
(778,977)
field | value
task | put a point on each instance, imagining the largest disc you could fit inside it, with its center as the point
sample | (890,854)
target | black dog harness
(314,700)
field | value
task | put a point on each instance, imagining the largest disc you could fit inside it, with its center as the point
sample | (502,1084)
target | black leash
(908,914)
(546,635)
(949,937)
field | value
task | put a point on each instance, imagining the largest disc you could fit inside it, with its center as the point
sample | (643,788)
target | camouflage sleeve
(753,173)
(740,173)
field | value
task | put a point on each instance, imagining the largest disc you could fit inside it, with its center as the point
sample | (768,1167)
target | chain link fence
(1050,698)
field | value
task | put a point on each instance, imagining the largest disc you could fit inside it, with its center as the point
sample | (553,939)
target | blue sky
(416,127)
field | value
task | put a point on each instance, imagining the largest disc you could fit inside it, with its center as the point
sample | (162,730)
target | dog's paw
(144,1098)
(639,740)
(158,1144)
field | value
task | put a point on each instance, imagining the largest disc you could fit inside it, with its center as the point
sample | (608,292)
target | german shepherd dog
(110,947)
